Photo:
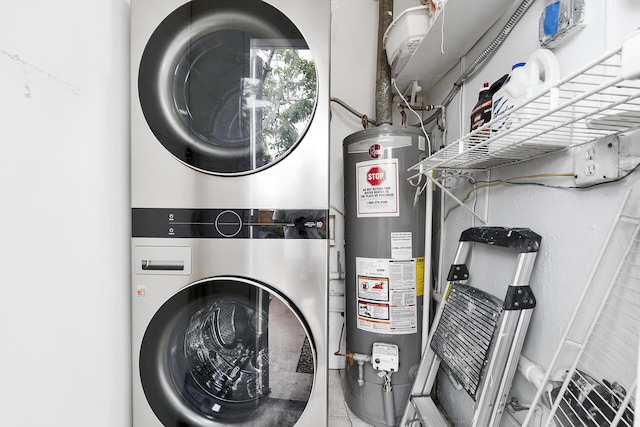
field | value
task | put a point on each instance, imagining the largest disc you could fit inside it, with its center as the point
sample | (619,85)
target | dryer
(230,103)
(229,181)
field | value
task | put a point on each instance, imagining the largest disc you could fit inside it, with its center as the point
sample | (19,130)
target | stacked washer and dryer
(229,171)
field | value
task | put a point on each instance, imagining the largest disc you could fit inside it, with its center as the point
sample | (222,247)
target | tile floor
(339,413)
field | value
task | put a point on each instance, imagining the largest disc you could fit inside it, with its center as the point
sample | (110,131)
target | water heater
(384,282)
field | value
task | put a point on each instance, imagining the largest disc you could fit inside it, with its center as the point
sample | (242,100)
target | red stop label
(376,176)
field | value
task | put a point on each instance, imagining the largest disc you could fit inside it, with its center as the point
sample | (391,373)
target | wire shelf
(601,348)
(598,100)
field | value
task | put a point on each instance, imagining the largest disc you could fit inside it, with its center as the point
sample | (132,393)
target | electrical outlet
(597,161)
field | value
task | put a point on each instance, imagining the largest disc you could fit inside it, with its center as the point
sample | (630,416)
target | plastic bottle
(482,112)
(526,81)
(502,101)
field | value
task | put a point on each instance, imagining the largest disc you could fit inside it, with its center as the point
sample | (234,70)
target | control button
(228,223)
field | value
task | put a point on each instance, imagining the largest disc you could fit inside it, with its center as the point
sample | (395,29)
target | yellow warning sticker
(420,276)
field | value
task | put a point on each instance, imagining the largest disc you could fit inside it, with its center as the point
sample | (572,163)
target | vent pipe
(384,96)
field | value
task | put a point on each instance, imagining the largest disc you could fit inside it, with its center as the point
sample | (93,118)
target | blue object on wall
(551,18)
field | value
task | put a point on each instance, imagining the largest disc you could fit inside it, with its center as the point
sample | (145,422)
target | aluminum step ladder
(475,335)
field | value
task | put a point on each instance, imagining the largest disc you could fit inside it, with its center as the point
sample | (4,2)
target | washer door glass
(227,350)
(228,87)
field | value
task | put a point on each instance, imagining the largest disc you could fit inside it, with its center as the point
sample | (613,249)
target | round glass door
(227,350)
(228,87)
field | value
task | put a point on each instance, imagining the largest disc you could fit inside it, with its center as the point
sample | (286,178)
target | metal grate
(601,348)
(598,100)
(465,332)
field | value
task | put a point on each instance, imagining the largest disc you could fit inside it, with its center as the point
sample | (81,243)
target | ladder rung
(428,411)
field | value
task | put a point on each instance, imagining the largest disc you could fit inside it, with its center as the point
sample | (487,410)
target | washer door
(227,350)
(228,86)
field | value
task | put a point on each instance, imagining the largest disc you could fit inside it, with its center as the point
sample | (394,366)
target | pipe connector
(361,359)
(533,372)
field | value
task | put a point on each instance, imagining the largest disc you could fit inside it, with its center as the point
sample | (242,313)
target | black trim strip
(229,223)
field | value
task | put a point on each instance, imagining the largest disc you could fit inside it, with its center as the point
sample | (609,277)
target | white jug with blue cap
(526,81)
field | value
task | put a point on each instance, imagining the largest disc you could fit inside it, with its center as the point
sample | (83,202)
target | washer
(230,103)
(229,325)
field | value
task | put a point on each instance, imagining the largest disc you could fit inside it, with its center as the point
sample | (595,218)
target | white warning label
(377,184)
(401,245)
(387,295)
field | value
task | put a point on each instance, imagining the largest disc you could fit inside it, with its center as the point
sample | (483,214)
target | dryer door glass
(227,350)
(228,87)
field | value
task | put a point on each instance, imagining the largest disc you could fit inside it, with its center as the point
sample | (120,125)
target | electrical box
(597,161)
(384,357)
(560,19)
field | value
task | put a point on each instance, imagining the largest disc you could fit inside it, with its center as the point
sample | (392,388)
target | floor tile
(355,421)
(336,395)
(335,421)
(339,413)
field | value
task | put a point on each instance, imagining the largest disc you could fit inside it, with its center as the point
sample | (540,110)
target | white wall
(64,309)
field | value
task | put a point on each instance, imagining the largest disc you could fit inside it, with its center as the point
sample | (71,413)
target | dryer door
(228,86)
(227,350)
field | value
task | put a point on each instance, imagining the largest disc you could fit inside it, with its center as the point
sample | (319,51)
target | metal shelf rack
(596,101)
(598,353)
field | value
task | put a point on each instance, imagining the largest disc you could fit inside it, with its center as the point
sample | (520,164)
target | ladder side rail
(514,356)
(517,310)
(419,386)
(488,393)
(427,370)
(409,416)
(426,374)
(430,362)
(422,388)
(424,380)
(430,415)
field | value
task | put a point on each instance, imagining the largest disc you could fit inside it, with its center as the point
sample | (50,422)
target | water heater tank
(384,282)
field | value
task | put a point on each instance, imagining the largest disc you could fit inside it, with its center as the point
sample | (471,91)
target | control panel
(227,223)
(385,357)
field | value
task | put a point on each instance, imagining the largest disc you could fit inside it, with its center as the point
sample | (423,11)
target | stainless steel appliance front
(229,182)
(228,328)
(229,101)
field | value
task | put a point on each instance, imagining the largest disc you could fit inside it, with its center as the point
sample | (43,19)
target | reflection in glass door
(228,350)
(228,87)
